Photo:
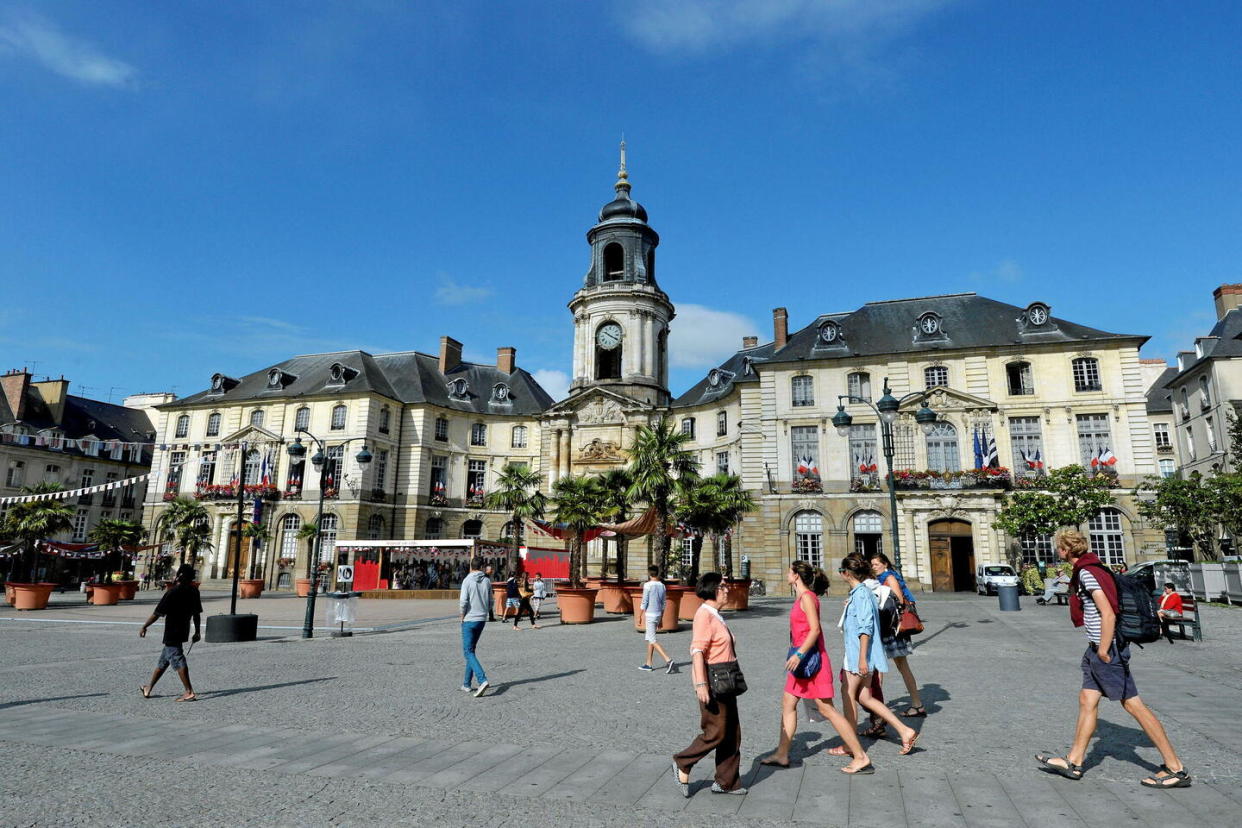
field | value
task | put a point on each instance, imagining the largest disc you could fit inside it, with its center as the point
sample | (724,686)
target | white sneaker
(466,689)
(482,689)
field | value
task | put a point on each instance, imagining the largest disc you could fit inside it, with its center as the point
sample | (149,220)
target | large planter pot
(690,603)
(9,593)
(499,593)
(669,621)
(635,593)
(615,600)
(739,594)
(250,587)
(30,596)
(302,586)
(577,604)
(128,589)
(105,595)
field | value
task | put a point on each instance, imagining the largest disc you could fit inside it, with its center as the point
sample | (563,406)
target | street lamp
(319,460)
(887,409)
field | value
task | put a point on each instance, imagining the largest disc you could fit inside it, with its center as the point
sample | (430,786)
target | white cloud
(701,26)
(451,293)
(556,383)
(33,38)
(1007,272)
(700,337)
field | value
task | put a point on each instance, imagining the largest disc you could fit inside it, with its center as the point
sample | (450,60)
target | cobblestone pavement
(371,729)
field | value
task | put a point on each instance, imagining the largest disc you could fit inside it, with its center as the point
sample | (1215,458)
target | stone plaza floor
(371,729)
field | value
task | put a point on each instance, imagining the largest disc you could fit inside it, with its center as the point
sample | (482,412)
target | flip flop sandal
(145,691)
(864,770)
(1168,779)
(876,730)
(771,763)
(839,751)
(907,747)
(185,698)
(1069,770)
(919,712)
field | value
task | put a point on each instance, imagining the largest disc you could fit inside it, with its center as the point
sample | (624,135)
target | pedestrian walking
(896,644)
(860,623)
(540,593)
(813,680)
(475,599)
(655,595)
(488,570)
(513,598)
(180,605)
(720,730)
(524,605)
(1105,667)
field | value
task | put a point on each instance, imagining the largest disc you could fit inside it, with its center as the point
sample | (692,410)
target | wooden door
(245,556)
(941,563)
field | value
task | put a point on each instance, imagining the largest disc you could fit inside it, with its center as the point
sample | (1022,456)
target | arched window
(375,527)
(1020,379)
(1086,374)
(385,416)
(519,437)
(289,526)
(253,466)
(801,391)
(338,417)
(935,376)
(472,529)
(183,426)
(868,532)
(858,385)
(256,418)
(213,424)
(327,538)
(809,537)
(942,454)
(435,528)
(1107,539)
(614,263)
(301,420)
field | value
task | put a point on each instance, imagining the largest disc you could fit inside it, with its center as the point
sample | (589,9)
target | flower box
(807,484)
(210,491)
(438,500)
(989,478)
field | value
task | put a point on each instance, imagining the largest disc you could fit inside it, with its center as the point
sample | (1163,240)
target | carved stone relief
(599,411)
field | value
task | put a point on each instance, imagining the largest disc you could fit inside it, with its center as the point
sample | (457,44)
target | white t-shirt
(654,595)
(541,589)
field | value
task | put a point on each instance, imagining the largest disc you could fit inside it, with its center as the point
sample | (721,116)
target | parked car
(990,576)
(1157,573)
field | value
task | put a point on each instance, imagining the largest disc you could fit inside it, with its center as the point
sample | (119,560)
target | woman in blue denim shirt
(897,647)
(862,652)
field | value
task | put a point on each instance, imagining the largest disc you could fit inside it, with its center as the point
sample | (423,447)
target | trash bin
(1008,596)
(342,612)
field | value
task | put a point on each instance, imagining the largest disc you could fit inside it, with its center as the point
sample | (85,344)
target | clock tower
(620,315)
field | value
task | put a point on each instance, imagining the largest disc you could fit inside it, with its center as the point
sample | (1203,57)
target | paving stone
(541,779)
(435,762)
(627,786)
(474,766)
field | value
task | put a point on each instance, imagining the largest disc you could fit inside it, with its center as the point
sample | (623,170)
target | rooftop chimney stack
(450,354)
(1227,298)
(506,360)
(53,392)
(750,341)
(16,383)
(780,327)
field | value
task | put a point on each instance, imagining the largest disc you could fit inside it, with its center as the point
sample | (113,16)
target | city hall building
(1013,387)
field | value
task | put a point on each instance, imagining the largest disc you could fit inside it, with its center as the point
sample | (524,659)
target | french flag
(803,467)
(862,463)
(1107,458)
(813,467)
(871,464)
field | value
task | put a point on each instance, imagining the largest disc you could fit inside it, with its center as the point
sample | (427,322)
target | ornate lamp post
(320,461)
(886,409)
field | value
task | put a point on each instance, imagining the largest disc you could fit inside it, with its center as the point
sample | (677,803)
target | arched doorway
(952,548)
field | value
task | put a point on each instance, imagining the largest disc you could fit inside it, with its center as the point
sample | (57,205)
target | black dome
(623,208)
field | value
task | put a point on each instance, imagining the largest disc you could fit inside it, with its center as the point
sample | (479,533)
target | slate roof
(1159,401)
(967,320)
(85,417)
(406,377)
(1223,342)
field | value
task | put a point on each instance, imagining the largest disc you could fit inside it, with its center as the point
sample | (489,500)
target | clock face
(609,336)
(828,333)
(1038,315)
(929,325)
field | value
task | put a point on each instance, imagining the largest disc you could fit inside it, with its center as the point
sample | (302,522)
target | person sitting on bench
(1170,608)
(1059,584)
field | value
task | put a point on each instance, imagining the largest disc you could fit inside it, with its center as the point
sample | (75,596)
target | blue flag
(978,446)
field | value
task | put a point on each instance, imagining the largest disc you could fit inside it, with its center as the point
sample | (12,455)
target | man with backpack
(1112,612)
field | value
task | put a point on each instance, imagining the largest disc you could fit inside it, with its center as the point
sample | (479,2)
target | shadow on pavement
(1118,742)
(501,689)
(7,705)
(952,625)
(215,694)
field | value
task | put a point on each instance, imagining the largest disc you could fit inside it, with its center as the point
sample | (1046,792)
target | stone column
(565,454)
(555,471)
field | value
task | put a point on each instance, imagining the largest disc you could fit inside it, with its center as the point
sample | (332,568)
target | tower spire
(623,178)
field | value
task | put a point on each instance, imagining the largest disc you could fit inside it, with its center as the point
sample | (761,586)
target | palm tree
(696,507)
(615,502)
(187,521)
(308,532)
(34,519)
(114,536)
(731,503)
(517,492)
(658,460)
(576,502)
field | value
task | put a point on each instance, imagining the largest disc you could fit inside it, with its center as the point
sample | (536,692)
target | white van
(990,576)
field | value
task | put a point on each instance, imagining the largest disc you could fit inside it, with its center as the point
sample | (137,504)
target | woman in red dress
(806,633)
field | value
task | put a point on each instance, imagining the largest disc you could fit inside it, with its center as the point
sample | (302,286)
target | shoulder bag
(809,666)
(910,623)
(726,680)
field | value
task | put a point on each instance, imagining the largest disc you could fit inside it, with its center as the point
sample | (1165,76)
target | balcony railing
(991,478)
(1168,449)
(378,496)
(228,491)
(806,485)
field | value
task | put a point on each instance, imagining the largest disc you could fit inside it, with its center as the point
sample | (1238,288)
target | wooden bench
(1190,618)
(1062,598)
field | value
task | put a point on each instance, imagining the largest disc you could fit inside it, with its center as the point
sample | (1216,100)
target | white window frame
(478,434)
(809,537)
(213,424)
(935,376)
(1211,434)
(687,427)
(1094,434)
(301,419)
(1168,467)
(518,438)
(1108,538)
(441,430)
(340,415)
(939,458)
(182,429)
(722,462)
(722,423)
(1086,374)
(1160,433)
(802,391)
(858,385)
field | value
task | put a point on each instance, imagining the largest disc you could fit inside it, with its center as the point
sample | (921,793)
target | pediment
(943,398)
(252,434)
(597,405)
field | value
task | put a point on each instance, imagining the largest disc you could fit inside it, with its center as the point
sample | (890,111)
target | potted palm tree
(187,522)
(27,522)
(615,503)
(517,493)
(720,503)
(252,587)
(576,502)
(113,536)
(306,533)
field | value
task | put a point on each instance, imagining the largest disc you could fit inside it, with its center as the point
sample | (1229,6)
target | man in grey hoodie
(476,593)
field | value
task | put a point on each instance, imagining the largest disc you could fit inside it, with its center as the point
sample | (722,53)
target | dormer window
(458,389)
(929,325)
(339,374)
(500,394)
(829,333)
(278,379)
(1038,314)
(718,378)
(220,383)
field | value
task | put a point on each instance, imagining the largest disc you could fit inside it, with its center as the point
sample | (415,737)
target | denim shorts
(1111,680)
(512,602)
(172,656)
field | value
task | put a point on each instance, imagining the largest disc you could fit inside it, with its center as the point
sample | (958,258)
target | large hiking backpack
(1137,622)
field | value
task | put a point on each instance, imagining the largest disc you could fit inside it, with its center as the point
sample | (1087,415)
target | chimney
(450,354)
(53,392)
(506,360)
(750,341)
(1227,298)
(15,384)
(780,327)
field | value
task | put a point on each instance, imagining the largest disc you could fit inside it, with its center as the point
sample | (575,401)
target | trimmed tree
(1068,496)
(659,460)
(114,536)
(1188,505)
(517,492)
(32,520)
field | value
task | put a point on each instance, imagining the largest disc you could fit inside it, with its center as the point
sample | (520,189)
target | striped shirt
(1088,584)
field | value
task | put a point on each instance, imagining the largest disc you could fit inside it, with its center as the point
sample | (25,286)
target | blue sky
(214,186)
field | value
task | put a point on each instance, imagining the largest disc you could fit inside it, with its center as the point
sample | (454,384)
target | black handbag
(726,680)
